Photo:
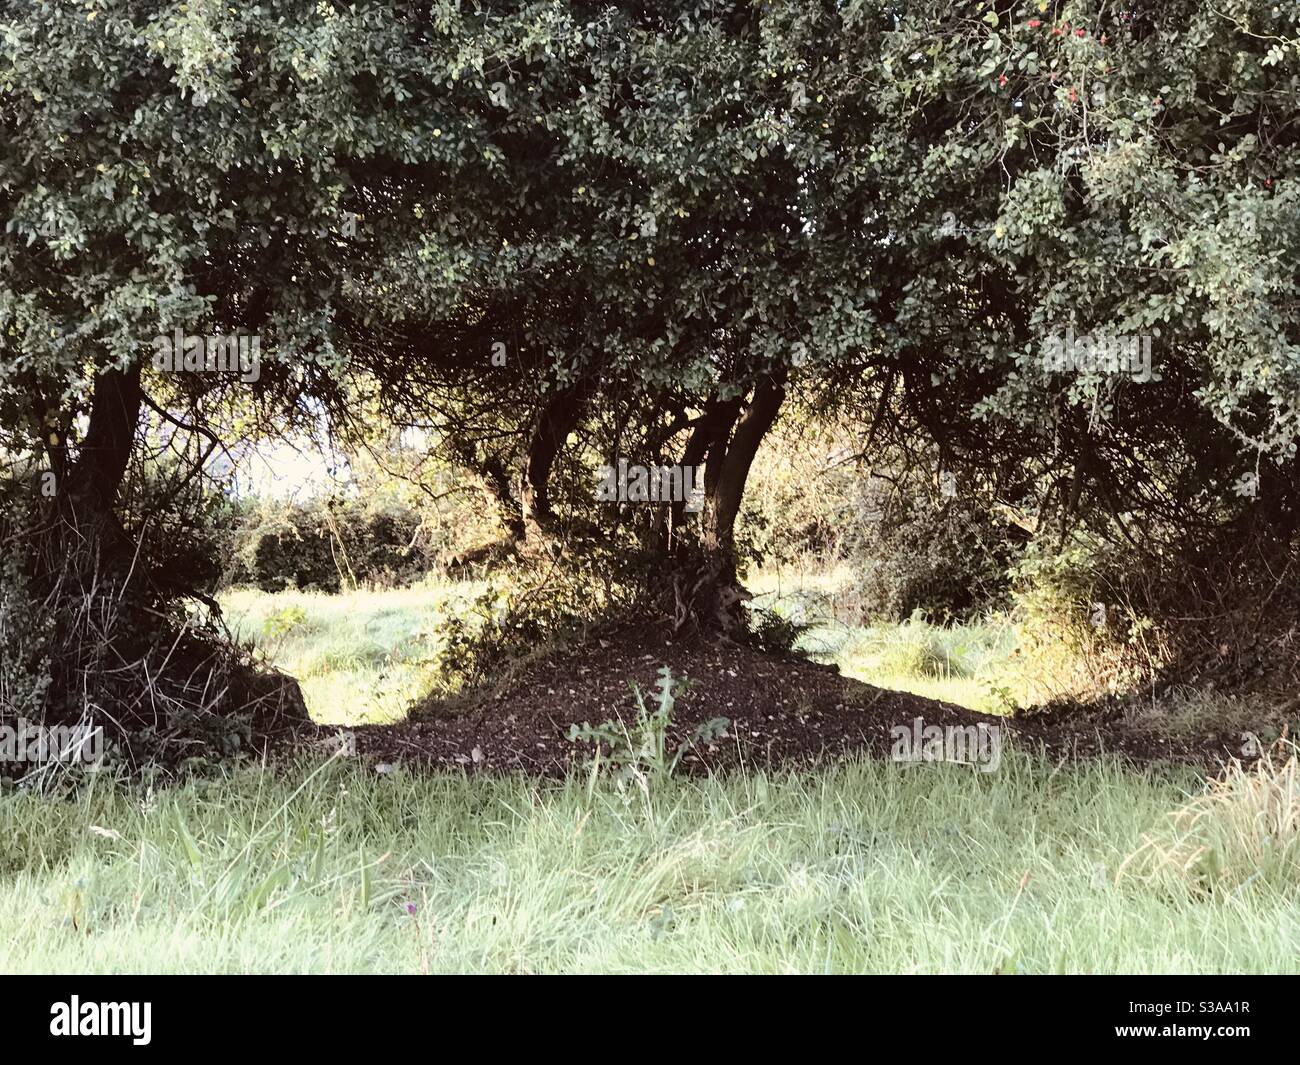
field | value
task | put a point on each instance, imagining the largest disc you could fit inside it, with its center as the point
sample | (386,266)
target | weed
(640,752)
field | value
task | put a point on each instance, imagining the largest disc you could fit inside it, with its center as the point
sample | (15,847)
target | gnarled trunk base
(707,595)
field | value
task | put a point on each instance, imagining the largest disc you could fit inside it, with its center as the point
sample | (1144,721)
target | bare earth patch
(783,711)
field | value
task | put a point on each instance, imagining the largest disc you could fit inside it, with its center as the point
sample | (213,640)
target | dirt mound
(782,711)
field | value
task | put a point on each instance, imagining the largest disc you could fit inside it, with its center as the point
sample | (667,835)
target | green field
(360,657)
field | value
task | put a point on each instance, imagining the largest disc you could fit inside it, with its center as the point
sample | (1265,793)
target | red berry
(1002,79)
(1081,33)
(1034,23)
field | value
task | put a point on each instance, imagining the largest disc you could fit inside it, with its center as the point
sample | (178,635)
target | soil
(783,711)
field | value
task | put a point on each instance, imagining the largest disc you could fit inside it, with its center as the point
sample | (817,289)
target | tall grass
(1244,827)
(866,867)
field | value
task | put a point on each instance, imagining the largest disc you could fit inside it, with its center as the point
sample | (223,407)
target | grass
(1243,827)
(330,866)
(970,665)
(867,867)
(361,656)
(975,664)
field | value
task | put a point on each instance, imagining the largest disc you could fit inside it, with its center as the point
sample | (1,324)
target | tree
(565,231)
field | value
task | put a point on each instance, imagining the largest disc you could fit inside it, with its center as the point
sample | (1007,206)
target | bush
(331,544)
(95,630)
(943,562)
(772,631)
(538,601)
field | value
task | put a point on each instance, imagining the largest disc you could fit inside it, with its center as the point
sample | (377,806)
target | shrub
(946,562)
(773,632)
(535,601)
(331,544)
(95,628)
(1077,622)
(909,547)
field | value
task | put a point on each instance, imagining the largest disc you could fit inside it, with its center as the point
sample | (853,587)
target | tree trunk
(728,490)
(709,437)
(103,456)
(707,590)
(528,517)
(559,417)
(95,478)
